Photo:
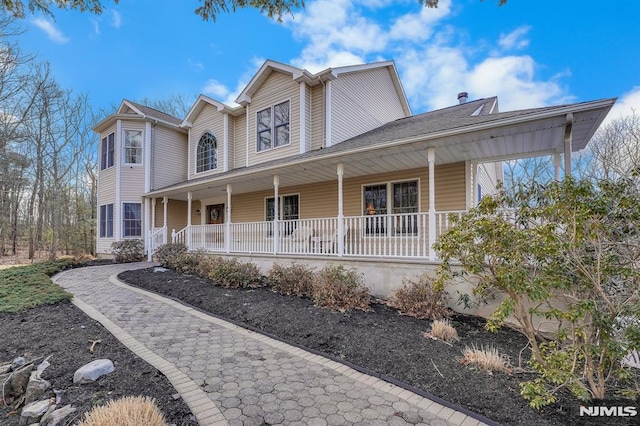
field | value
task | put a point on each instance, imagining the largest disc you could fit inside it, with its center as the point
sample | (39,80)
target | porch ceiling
(504,139)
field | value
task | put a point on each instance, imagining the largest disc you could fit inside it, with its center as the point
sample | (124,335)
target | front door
(215,214)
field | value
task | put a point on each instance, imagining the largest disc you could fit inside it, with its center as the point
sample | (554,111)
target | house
(317,168)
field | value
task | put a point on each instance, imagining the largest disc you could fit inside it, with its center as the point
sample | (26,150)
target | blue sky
(529,53)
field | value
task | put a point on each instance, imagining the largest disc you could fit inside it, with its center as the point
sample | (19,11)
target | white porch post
(147,227)
(431,158)
(165,201)
(340,171)
(568,136)
(153,212)
(276,218)
(556,166)
(189,198)
(227,227)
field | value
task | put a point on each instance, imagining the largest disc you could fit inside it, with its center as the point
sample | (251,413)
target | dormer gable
(203,101)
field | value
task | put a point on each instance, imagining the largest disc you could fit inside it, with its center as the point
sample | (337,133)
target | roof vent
(462,97)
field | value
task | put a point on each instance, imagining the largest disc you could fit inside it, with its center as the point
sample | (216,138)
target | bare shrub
(295,279)
(168,254)
(485,359)
(126,411)
(420,299)
(128,250)
(443,330)
(334,287)
(230,272)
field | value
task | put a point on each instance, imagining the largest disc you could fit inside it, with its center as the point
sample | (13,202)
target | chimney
(462,97)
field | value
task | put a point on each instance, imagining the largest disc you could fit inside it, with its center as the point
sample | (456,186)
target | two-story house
(317,168)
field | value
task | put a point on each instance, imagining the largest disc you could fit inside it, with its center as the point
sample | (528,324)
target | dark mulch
(383,342)
(63,331)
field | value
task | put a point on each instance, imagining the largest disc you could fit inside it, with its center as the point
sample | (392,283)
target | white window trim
(113,229)
(122,220)
(272,126)
(106,138)
(195,157)
(389,184)
(124,148)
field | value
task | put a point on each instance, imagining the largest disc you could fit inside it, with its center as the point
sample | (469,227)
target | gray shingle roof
(157,114)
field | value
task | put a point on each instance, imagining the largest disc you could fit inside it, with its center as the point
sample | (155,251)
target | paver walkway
(231,376)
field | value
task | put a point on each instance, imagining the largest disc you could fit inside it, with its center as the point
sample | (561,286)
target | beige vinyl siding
(321,199)
(317,117)
(176,215)
(307,124)
(239,141)
(362,101)
(106,190)
(487,178)
(169,157)
(209,120)
(277,88)
(232,136)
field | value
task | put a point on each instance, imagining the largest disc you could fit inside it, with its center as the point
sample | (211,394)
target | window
(272,126)
(132,220)
(133,146)
(207,153)
(289,209)
(403,199)
(106,151)
(106,221)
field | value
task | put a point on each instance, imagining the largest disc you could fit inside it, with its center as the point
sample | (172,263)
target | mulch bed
(386,343)
(64,331)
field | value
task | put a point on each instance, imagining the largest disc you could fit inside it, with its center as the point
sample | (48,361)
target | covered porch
(336,217)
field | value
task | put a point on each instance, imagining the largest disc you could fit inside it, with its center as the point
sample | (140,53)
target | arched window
(207,155)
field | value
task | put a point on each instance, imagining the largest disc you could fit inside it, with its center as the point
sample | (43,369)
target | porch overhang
(503,137)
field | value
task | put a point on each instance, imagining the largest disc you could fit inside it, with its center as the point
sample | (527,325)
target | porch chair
(300,240)
(331,243)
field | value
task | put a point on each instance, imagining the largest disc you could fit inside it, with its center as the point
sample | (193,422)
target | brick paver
(231,376)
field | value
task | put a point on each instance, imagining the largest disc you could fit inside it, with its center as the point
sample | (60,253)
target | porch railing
(157,237)
(390,236)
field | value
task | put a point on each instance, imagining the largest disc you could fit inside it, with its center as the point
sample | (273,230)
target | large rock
(36,388)
(55,417)
(91,372)
(19,381)
(33,412)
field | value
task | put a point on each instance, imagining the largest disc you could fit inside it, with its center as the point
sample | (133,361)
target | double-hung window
(288,209)
(106,221)
(395,198)
(133,146)
(107,147)
(272,125)
(132,220)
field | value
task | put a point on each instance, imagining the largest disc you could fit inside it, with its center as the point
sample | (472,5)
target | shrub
(168,254)
(443,330)
(295,279)
(420,299)
(128,250)
(126,411)
(565,252)
(189,262)
(485,359)
(334,287)
(231,272)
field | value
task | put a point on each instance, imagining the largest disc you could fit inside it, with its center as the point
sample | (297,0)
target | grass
(24,287)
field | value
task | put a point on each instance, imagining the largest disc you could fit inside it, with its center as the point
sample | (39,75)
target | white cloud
(419,26)
(195,65)
(96,27)
(625,105)
(515,39)
(52,32)
(116,19)
(215,89)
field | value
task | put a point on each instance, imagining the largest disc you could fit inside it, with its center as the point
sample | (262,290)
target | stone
(36,388)
(55,417)
(409,417)
(91,372)
(19,380)
(18,362)
(5,368)
(33,412)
